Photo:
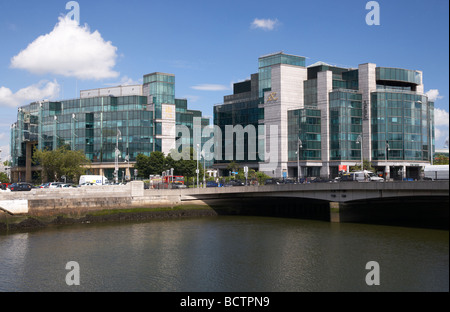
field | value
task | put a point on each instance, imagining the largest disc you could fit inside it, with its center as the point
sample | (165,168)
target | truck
(93,179)
(436,172)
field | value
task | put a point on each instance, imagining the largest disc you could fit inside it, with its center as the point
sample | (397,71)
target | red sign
(342,167)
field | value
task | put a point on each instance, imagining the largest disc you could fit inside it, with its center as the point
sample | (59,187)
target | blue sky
(208,45)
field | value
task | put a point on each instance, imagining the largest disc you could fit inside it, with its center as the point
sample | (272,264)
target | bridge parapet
(335,192)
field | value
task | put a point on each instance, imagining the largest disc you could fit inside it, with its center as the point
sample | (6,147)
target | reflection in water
(13,253)
(226,254)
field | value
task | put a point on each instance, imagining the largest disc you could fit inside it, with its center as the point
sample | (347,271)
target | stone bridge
(332,201)
(332,192)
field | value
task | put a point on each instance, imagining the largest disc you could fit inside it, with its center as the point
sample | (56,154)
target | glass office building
(341,116)
(136,119)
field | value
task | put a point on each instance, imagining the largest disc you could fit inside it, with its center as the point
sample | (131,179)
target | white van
(93,179)
(366,175)
(436,172)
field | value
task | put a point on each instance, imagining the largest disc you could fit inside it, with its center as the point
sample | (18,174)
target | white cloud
(266,24)
(40,91)
(441,117)
(69,50)
(5,148)
(211,87)
(433,95)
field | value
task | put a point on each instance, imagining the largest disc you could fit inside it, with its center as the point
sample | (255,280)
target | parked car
(178,185)
(288,181)
(211,184)
(67,185)
(54,184)
(20,187)
(271,181)
(234,183)
(320,180)
(4,186)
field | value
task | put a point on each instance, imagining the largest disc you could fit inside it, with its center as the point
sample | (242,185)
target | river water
(226,254)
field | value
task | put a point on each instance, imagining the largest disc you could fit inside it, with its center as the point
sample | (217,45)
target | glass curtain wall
(345,125)
(304,124)
(402,121)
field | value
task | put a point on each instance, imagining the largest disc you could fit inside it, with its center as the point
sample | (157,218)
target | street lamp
(359,141)
(127,160)
(198,171)
(386,153)
(299,146)
(116,160)
(204,169)
(74,125)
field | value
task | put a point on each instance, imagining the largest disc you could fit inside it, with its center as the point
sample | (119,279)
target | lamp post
(127,160)
(74,125)
(386,152)
(299,146)
(55,135)
(359,141)
(116,163)
(204,169)
(197,171)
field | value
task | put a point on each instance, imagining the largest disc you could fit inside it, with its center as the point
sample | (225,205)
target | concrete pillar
(324,87)
(335,213)
(137,188)
(367,85)
(387,173)
(286,93)
(403,172)
(29,148)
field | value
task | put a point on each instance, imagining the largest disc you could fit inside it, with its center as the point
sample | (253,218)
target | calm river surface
(226,253)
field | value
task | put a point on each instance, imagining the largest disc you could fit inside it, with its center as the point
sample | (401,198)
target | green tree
(441,160)
(61,162)
(233,167)
(367,165)
(261,177)
(154,164)
(186,166)
(142,165)
(4,178)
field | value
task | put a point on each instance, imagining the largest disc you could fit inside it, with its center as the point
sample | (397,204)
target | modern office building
(329,118)
(137,119)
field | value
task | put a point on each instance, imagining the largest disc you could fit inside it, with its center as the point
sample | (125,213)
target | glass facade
(304,124)
(241,113)
(397,74)
(345,125)
(265,70)
(161,90)
(92,124)
(400,120)
(310,94)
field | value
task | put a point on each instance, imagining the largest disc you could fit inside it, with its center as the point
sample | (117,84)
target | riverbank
(9,224)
